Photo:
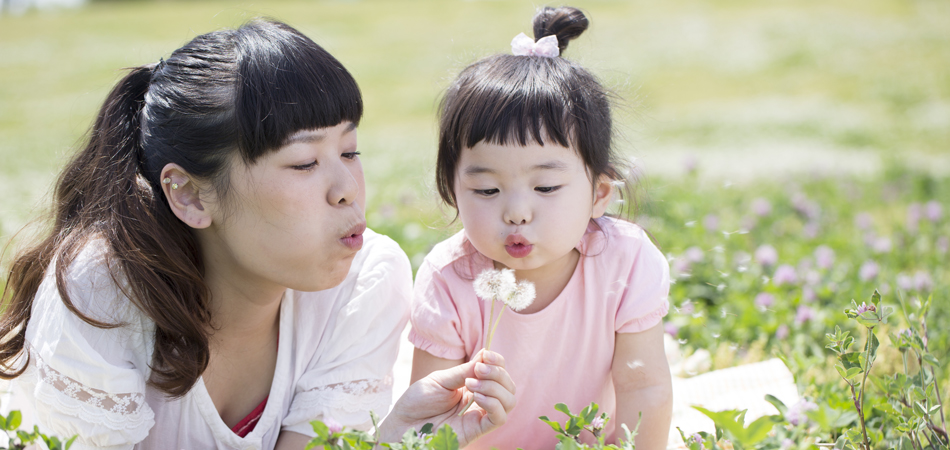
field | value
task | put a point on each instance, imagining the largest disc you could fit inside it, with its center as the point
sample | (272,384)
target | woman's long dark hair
(227,93)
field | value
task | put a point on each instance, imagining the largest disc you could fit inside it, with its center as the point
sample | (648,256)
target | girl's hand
(439,397)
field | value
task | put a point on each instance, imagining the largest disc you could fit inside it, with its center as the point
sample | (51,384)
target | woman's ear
(603,194)
(184,196)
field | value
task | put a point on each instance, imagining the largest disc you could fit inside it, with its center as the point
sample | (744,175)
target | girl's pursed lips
(516,239)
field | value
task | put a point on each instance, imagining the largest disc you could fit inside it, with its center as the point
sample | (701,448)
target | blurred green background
(749,90)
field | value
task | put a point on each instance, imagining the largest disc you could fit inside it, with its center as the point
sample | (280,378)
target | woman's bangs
(287,84)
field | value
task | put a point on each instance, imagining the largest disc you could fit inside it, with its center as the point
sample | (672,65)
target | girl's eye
(546,189)
(351,155)
(305,167)
(486,192)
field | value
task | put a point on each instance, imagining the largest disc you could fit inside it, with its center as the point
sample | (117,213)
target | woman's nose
(345,189)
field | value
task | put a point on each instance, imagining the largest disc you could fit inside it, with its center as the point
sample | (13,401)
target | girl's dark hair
(507,99)
(229,92)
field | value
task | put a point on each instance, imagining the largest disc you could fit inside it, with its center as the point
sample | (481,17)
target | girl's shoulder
(455,257)
(612,235)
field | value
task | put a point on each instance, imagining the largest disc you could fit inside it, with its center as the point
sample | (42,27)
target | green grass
(867,75)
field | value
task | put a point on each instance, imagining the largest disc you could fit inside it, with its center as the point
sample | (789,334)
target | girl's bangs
(519,107)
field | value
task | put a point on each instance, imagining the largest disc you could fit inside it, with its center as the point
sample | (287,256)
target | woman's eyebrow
(311,136)
(305,137)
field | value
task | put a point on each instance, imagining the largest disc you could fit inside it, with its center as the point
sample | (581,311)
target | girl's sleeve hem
(646,322)
(437,350)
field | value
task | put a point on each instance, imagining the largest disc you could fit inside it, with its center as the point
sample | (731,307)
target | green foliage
(732,425)
(445,438)
(20,439)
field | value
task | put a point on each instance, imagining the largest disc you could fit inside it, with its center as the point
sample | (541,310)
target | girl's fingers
(497,374)
(494,390)
(490,357)
(495,414)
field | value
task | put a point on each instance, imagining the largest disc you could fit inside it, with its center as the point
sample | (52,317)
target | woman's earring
(168,180)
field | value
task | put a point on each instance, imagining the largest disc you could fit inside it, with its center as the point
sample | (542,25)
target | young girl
(209,281)
(525,157)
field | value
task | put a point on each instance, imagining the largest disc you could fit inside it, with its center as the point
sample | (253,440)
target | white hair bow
(522,45)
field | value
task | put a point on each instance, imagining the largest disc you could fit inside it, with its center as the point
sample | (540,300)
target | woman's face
(295,217)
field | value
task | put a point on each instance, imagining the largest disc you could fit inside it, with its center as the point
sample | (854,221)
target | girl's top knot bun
(565,22)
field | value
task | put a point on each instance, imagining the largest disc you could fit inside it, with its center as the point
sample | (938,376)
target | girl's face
(295,217)
(526,207)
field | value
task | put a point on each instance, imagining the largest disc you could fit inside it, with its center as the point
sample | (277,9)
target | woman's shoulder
(95,285)
(379,248)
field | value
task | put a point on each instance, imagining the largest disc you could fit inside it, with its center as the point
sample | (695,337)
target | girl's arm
(424,363)
(643,382)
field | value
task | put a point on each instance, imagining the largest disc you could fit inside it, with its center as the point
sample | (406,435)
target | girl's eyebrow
(550,165)
(478,170)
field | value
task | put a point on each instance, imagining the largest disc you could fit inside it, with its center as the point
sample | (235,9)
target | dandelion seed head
(521,296)
(494,284)
(635,364)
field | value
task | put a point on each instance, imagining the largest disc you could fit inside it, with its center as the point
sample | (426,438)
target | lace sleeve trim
(116,411)
(347,403)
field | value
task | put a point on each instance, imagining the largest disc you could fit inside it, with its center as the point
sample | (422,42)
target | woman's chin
(328,278)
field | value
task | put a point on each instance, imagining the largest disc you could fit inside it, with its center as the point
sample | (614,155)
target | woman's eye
(547,189)
(351,155)
(486,192)
(305,167)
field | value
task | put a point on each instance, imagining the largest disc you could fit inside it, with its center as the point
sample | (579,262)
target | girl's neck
(549,280)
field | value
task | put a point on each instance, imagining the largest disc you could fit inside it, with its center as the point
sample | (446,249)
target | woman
(209,281)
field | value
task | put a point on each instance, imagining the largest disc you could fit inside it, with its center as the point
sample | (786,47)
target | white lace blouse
(334,360)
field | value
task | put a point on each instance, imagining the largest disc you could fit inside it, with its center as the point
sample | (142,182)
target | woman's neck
(243,306)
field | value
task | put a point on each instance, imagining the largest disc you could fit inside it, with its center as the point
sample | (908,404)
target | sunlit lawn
(835,114)
(860,78)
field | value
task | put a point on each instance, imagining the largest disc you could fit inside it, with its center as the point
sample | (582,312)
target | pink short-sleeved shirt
(561,354)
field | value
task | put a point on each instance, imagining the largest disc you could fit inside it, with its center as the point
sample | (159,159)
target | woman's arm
(439,397)
(643,383)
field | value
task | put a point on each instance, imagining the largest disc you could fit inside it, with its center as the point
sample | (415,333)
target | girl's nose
(517,213)
(345,189)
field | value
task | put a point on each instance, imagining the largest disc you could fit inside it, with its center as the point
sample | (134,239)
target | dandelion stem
(494,327)
(489,331)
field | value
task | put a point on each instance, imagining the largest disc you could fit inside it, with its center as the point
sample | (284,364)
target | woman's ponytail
(86,186)
(153,257)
